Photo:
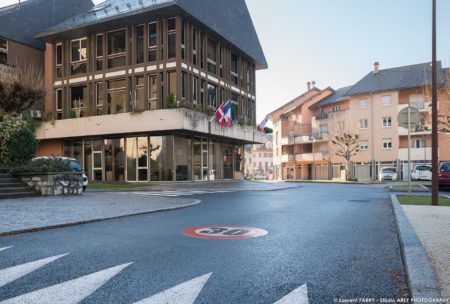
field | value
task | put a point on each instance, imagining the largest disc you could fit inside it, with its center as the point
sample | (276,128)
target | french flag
(262,125)
(228,114)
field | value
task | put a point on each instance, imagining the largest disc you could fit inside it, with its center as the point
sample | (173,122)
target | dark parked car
(444,175)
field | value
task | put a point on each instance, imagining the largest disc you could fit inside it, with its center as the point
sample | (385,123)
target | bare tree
(346,145)
(444,103)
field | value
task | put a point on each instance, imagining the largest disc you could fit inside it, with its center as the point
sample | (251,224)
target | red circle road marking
(224,232)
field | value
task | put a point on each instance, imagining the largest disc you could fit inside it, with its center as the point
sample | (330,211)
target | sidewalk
(32,214)
(432,226)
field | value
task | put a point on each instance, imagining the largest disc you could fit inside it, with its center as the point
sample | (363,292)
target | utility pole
(434,122)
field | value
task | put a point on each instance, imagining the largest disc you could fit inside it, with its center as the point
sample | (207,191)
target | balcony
(287,157)
(404,132)
(322,116)
(145,122)
(416,154)
(312,156)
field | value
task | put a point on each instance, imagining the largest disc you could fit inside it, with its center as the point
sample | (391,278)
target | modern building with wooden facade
(132,85)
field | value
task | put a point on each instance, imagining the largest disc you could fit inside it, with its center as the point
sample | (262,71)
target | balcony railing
(317,156)
(287,157)
(321,116)
(416,153)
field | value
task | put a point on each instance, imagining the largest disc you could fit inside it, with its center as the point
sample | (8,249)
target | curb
(331,182)
(160,190)
(422,281)
(36,229)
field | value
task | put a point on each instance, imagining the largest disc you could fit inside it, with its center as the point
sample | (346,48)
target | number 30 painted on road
(224,232)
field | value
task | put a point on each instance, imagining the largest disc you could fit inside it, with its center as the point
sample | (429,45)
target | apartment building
(259,158)
(20,22)
(369,109)
(133,85)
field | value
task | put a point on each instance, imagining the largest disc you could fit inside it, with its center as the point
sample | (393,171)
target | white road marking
(298,296)
(175,193)
(4,248)
(13,273)
(185,293)
(70,292)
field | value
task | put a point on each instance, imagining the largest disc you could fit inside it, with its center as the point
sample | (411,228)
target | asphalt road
(339,240)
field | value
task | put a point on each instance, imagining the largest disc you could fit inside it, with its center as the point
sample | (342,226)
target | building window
(194,45)
(183,39)
(194,89)
(386,101)
(79,100)
(117,49)
(183,84)
(417,101)
(58,60)
(336,108)
(3,51)
(387,122)
(99,52)
(387,144)
(363,104)
(100,97)
(341,126)
(140,44)
(212,95)
(364,145)
(152,42)
(59,104)
(153,92)
(139,94)
(363,124)
(117,96)
(234,69)
(212,56)
(171,38)
(323,129)
(172,77)
(418,143)
(78,56)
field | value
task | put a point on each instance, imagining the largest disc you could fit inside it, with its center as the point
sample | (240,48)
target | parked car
(388,173)
(444,175)
(75,166)
(421,172)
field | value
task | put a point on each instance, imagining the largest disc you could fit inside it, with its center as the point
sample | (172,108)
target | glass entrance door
(200,159)
(114,160)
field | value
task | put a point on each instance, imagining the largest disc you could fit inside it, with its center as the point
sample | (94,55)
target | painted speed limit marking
(224,232)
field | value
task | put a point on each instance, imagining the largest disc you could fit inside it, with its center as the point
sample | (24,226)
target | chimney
(376,67)
(309,85)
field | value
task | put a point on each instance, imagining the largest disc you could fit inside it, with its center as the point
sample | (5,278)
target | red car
(444,176)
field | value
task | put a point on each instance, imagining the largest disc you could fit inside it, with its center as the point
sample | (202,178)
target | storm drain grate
(359,201)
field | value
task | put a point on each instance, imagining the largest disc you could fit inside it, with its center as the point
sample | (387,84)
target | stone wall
(53,184)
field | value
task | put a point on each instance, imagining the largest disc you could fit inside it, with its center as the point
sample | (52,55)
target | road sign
(414,118)
(224,232)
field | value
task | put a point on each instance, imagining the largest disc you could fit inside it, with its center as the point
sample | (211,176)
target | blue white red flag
(262,125)
(228,114)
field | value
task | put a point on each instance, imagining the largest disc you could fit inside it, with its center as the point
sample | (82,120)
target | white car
(422,172)
(388,173)
(75,166)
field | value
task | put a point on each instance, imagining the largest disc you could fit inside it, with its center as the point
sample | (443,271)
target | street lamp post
(434,122)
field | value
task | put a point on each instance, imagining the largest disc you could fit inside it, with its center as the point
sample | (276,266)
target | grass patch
(116,186)
(421,200)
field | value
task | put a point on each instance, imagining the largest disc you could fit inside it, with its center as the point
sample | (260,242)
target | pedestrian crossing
(176,193)
(76,290)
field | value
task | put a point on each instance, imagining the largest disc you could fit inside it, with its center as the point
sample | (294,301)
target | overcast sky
(336,42)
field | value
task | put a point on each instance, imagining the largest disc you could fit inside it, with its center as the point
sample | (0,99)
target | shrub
(44,165)
(170,99)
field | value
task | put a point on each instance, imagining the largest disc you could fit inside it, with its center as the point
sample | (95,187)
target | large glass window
(172,83)
(88,158)
(212,56)
(153,92)
(215,160)
(97,160)
(172,38)
(99,52)
(3,51)
(212,95)
(194,89)
(114,159)
(139,94)
(78,57)
(100,97)
(194,45)
(183,158)
(137,159)
(140,44)
(152,42)
(161,158)
(79,101)
(227,161)
(59,60)
(59,104)
(117,96)
(234,69)
(116,49)
(200,158)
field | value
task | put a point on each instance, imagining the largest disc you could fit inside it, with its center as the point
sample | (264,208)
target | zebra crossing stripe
(4,248)
(70,292)
(185,293)
(298,296)
(13,273)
